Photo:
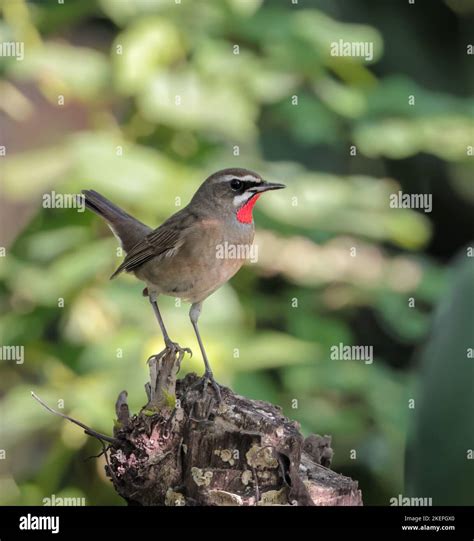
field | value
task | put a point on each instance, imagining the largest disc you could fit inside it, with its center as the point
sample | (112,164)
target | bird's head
(234,192)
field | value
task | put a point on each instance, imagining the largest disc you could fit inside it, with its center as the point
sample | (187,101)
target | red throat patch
(244,214)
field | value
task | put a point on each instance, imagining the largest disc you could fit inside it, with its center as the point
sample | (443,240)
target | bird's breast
(211,253)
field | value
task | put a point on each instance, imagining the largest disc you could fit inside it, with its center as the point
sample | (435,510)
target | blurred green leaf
(438,459)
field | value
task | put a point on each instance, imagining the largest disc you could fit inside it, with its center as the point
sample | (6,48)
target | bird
(179,258)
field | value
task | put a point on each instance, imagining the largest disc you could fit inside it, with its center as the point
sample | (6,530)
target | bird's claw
(170,346)
(217,390)
(208,378)
(176,347)
(155,356)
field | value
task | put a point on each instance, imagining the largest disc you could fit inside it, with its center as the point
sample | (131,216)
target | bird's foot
(155,357)
(174,346)
(207,378)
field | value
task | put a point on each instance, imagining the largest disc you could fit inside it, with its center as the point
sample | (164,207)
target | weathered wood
(239,452)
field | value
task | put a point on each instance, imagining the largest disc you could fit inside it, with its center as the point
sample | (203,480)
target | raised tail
(126,228)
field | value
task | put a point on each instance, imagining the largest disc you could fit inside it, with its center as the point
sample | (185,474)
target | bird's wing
(165,241)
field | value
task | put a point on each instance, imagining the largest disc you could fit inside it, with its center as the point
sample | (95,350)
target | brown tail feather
(128,229)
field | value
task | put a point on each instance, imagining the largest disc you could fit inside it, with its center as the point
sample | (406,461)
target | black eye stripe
(246,184)
(251,183)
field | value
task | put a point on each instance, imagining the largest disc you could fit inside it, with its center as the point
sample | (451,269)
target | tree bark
(190,450)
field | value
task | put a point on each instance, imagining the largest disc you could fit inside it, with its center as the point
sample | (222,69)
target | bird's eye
(236,184)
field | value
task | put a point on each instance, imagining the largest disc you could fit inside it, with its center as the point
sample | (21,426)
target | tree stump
(184,448)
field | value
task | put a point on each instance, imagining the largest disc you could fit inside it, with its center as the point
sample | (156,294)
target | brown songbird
(183,256)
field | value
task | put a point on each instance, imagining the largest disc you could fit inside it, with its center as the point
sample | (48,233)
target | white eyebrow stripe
(226,178)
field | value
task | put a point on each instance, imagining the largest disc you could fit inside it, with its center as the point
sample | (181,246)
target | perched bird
(179,258)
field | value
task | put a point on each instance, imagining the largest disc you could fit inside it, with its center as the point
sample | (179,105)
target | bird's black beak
(265,186)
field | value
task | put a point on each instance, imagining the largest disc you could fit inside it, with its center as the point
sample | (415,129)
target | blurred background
(141,100)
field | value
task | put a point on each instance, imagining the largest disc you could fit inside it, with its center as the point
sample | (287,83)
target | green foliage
(438,460)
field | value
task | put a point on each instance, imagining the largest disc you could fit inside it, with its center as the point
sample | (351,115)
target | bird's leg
(208,375)
(168,342)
